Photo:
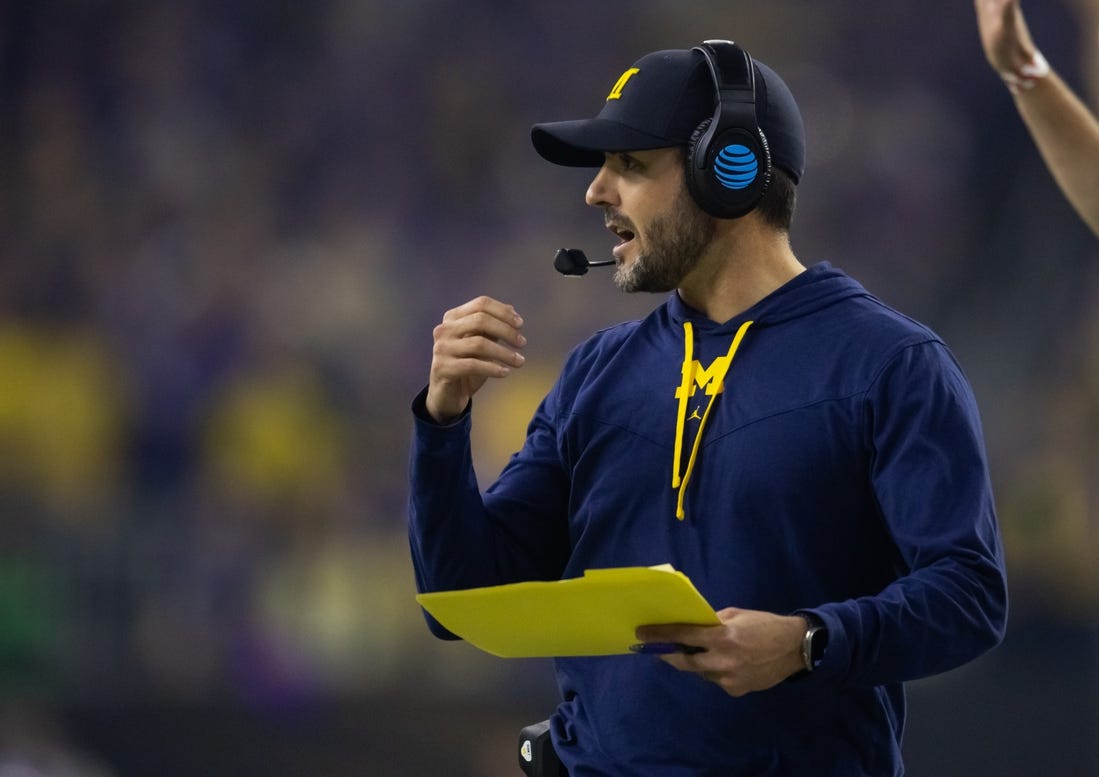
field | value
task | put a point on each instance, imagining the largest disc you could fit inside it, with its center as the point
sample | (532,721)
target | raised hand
(475,341)
(1007,42)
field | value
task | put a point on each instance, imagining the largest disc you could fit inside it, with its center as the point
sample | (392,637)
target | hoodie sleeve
(460,538)
(930,477)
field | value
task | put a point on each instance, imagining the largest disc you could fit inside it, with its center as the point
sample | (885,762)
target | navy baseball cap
(658,102)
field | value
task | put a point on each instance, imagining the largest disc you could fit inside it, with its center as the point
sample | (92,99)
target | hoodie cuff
(835,654)
(419,410)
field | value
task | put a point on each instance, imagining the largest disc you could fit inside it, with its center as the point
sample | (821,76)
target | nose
(601,191)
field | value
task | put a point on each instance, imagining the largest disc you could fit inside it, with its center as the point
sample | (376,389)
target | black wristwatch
(813,643)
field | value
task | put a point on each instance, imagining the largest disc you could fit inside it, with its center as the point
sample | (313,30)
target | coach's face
(662,232)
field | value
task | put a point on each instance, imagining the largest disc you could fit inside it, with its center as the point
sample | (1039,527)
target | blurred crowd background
(226,231)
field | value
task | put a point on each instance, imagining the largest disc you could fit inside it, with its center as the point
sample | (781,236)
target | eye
(628,162)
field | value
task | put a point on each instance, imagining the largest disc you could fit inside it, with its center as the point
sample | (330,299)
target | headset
(728,160)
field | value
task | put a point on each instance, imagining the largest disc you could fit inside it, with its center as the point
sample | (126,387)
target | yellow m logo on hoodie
(711,378)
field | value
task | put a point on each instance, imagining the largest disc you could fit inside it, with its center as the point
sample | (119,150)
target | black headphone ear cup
(727,176)
(695,173)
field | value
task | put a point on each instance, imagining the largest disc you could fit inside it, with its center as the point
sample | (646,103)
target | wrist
(1024,77)
(444,412)
(421,408)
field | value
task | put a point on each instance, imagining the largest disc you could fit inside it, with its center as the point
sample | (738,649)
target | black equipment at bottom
(537,758)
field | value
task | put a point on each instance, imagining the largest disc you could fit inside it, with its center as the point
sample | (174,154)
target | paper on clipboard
(593,615)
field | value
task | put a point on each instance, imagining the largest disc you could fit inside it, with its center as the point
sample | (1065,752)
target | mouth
(625,237)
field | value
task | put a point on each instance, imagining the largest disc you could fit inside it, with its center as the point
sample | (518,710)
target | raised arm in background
(1064,129)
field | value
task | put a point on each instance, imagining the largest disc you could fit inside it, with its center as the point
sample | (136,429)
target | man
(1065,131)
(811,459)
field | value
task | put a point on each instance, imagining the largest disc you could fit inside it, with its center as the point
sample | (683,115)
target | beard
(674,244)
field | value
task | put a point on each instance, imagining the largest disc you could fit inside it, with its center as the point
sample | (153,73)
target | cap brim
(582,143)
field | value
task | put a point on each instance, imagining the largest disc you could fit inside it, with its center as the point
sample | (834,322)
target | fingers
(691,656)
(466,355)
(484,309)
(749,651)
(675,633)
(689,634)
(483,318)
(480,338)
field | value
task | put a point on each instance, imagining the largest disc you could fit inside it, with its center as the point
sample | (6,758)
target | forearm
(447,526)
(948,601)
(1067,136)
(929,622)
(461,538)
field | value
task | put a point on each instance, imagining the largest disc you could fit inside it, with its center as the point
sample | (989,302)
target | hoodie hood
(818,287)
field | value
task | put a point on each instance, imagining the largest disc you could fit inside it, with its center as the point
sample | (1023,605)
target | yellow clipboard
(593,615)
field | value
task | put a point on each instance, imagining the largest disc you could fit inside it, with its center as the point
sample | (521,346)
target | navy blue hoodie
(841,471)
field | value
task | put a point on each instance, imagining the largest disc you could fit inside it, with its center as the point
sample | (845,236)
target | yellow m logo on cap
(620,84)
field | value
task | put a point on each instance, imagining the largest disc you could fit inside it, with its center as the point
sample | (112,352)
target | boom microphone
(571,261)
